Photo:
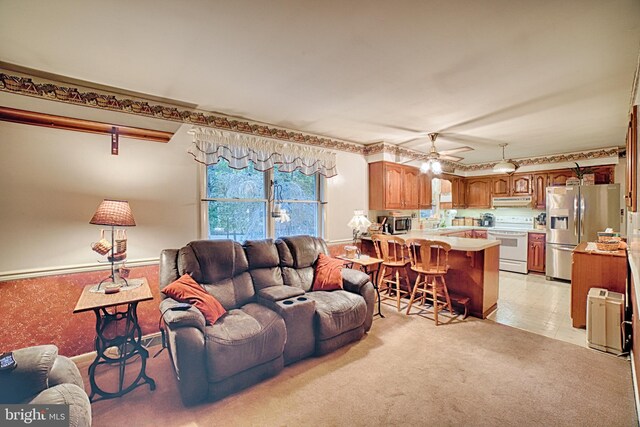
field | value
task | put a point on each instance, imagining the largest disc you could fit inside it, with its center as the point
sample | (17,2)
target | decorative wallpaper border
(54,91)
(448,166)
(555,158)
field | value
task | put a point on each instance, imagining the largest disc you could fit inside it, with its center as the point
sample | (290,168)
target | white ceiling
(545,76)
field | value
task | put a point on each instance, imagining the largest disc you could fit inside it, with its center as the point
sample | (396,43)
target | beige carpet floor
(408,372)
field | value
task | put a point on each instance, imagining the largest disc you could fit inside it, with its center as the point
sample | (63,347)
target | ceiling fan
(445,154)
(432,160)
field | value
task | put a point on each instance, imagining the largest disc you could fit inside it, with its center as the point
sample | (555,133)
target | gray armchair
(43,377)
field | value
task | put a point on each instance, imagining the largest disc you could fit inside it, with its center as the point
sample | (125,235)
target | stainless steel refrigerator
(575,214)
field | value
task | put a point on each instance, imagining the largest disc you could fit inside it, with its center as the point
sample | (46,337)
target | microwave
(396,224)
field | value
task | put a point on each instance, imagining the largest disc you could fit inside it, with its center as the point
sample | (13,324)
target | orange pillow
(328,274)
(185,289)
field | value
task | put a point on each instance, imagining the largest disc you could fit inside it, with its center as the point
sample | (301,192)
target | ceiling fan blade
(473,141)
(451,158)
(456,150)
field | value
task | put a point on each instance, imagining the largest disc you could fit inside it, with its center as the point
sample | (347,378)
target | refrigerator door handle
(575,215)
(582,209)
(560,248)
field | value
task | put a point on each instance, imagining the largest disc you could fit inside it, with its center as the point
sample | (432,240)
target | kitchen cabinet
(540,182)
(469,234)
(500,186)
(479,234)
(411,188)
(521,185)
(515,185)
(393,186)
(536,252)
(478,193)
(458,192)
(559,178)
(603,174)
(631,173)
(425,197)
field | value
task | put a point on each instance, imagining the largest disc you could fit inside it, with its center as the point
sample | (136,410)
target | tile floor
(534,304)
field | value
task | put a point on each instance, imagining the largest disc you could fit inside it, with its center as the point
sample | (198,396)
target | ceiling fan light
(504,167)
(424,167)
(436,167)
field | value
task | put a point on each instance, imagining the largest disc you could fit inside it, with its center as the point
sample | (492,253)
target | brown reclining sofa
(273,317)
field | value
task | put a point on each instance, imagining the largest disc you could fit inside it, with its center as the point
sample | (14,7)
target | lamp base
(113,282)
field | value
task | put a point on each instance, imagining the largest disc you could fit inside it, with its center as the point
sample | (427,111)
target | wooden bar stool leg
(381,277)
(434,288)
(397,290)
(446,295)
(413,293)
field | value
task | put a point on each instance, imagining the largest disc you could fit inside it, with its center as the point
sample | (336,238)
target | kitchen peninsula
(473,268)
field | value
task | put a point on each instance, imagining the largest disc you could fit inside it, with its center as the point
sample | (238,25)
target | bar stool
(430,259)
(391,250)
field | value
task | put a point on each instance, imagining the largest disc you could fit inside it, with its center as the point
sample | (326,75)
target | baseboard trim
(68,269)
(634,378)
(85,359)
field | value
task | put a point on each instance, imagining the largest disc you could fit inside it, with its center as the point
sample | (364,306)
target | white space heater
(604,315)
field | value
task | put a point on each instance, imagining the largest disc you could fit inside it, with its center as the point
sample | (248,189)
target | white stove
(513,236)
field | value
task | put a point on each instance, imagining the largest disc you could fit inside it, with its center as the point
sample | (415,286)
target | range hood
(512,202)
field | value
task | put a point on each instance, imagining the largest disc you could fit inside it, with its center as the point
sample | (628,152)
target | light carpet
(407,371)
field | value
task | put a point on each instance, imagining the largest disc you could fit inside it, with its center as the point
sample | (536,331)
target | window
(238,203)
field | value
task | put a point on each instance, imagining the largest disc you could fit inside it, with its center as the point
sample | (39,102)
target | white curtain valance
(241,150)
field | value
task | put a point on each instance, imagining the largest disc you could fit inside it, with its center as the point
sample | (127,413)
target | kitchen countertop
(457,243)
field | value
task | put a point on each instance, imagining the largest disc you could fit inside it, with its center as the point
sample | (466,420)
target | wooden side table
(366,263)
(129,342)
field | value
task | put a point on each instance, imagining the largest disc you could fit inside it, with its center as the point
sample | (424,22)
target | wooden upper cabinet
(559,178)
(604,174)
(631,174)
(479,192)
(458,193)
(425,194)
(514,185)
(521,185)
(393,186)
(500,186)
(540,190)
(410,188)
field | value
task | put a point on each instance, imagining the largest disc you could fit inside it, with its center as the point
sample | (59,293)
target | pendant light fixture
(504,166)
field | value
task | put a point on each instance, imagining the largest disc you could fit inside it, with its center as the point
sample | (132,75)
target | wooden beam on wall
(80,125)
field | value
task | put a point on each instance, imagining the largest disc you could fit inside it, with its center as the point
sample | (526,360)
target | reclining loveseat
(273,318)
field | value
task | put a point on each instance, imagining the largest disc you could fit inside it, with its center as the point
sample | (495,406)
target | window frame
(268,176)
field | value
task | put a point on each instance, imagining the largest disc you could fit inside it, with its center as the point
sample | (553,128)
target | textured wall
(40,311)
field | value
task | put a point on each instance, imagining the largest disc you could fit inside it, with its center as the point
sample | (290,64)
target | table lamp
(359,224)
(115,213)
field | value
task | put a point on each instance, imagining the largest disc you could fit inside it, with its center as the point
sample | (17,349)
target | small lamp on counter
(114,213)
(359,224)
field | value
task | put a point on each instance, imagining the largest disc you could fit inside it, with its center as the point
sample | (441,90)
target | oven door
(513,244)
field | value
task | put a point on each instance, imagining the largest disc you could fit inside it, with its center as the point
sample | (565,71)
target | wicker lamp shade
(116,213)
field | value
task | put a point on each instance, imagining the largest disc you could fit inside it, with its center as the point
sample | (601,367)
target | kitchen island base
(472,273)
